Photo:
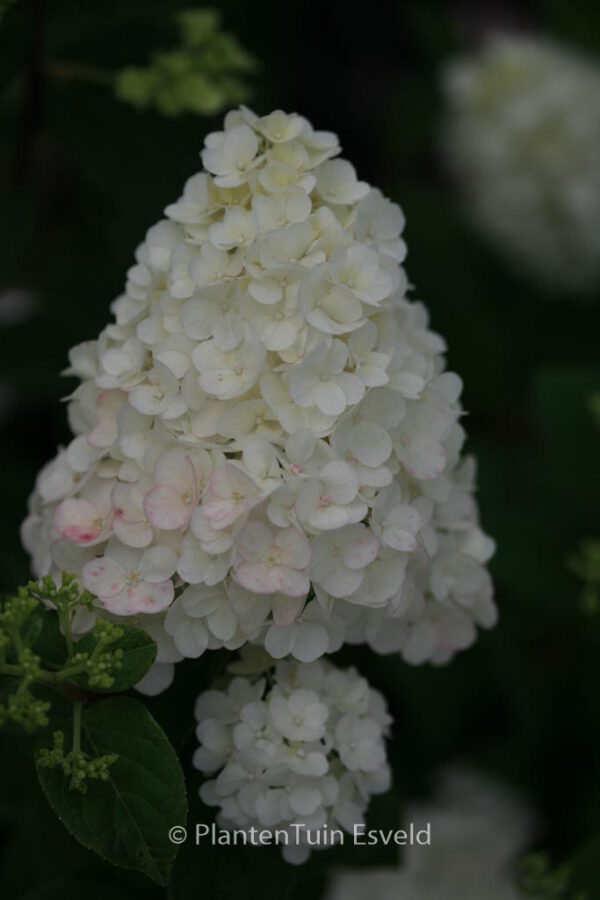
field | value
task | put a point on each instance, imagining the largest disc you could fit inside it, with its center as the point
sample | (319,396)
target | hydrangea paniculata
(267,445)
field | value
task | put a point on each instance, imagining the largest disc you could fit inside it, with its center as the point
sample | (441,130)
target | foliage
(540,881)
(110,773)
(203,76)
(126,819)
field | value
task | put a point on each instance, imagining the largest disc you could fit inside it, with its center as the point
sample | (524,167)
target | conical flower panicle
(267,445)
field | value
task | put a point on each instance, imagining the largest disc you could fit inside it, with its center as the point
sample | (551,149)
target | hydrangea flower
(307,747)
(523,140)
(269,417)
(127,581)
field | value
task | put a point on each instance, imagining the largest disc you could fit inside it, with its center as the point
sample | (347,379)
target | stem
(77,711)
(49,679)
(67,673)
(76,746)
(18,672)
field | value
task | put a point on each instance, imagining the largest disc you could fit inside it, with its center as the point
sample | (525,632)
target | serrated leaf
(126,820)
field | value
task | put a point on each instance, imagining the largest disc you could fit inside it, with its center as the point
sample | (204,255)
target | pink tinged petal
(360,552)
(223,513)
(294,548)
(134,534)
(79,520)
(105,432)
(218,486)
(229,494)
(104,577)
(257,577)
(166,508)
(141,598)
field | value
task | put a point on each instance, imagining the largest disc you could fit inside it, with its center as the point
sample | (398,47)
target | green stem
(18,672)
(67,673)
(77,712)
(53,680)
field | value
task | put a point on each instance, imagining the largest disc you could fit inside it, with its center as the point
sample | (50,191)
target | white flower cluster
(267,445)
(479,829)
(523,139)
(306,749)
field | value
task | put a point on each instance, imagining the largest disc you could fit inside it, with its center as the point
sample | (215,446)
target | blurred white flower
(522,137)
(479,828)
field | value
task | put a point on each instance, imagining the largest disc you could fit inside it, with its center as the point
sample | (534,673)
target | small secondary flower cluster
(523,138)
(305,748)
(267,445)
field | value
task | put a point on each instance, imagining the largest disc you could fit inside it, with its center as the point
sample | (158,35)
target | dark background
(82,176)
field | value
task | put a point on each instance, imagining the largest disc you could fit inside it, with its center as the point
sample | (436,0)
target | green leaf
(126,819)
(139,652)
